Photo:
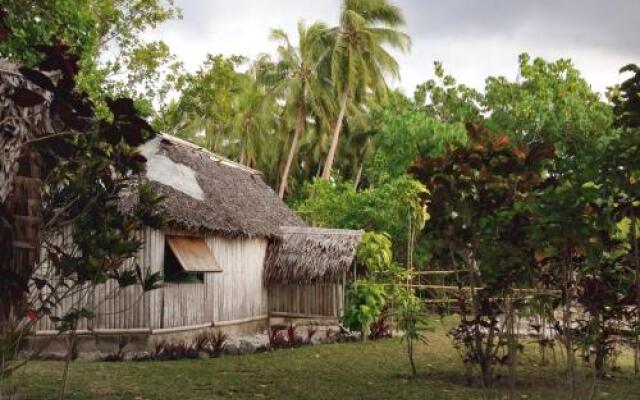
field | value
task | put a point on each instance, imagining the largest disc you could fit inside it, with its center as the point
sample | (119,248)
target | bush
(165,351)
(277,339)
(380,328)
(211,343)
(366,302)
(292,337)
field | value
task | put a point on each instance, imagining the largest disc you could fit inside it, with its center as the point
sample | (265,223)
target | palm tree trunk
(356,183)
(328,165)
(361,167)
(244,156)
(292,151)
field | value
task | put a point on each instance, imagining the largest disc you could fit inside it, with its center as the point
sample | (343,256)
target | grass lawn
(373,370)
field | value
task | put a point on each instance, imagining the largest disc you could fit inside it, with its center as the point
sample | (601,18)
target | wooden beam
(439,301)
(182,328)
(240,321)
(83,332)
(300,315)
(467,288)
(23,245)
(438,272)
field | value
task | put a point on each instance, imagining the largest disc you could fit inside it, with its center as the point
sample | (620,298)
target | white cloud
(473,42)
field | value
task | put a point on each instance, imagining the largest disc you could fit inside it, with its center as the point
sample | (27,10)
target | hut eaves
(306,255)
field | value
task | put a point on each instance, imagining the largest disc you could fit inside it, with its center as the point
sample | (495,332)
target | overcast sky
(472,38)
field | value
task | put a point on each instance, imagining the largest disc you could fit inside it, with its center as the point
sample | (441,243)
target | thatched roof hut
(205,193)
(305,255)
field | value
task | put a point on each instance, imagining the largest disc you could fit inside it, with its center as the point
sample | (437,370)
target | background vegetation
(528,190)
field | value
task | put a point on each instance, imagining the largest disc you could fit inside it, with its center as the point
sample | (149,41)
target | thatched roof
(304,255)
(206,193)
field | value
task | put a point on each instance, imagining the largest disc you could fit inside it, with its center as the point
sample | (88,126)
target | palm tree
(303,87)
(255,120)
(359,60)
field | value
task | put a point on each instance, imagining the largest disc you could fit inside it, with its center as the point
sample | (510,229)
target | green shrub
(366,302)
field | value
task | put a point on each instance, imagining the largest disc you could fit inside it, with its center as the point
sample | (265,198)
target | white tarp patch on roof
(163,170)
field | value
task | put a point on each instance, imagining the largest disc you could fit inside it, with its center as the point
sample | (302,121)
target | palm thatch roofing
(206,193)
(305,255)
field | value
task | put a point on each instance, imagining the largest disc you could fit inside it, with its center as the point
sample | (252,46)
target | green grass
(373,370)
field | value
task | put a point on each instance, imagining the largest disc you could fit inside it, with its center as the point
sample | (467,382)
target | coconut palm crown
(360,61)
(303,74)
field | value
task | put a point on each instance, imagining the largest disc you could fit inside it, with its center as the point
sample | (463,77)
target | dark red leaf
(72,119)
(109,133)
(540,151)
(121,107)
(83,104)
(32,315)
(62,148)
(135,131)
(58,58)
(132,134)
(67,83)
(37,78)
(138,157)
(26,98)
(48,50)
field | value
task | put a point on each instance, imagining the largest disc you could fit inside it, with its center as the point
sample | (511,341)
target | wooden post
(636,258)
(511,340)
(566,320)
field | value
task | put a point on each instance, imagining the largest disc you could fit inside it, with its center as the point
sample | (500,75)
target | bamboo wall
(233,294)
(308,300)
(237,292)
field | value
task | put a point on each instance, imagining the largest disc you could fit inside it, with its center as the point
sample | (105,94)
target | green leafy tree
(205,109)
(444,100)
(359,59)
(549,101)
(622,173)
(107,38)
(405,135)
(387,208)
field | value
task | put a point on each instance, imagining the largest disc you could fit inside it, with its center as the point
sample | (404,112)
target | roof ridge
(312,230)
(216,157)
